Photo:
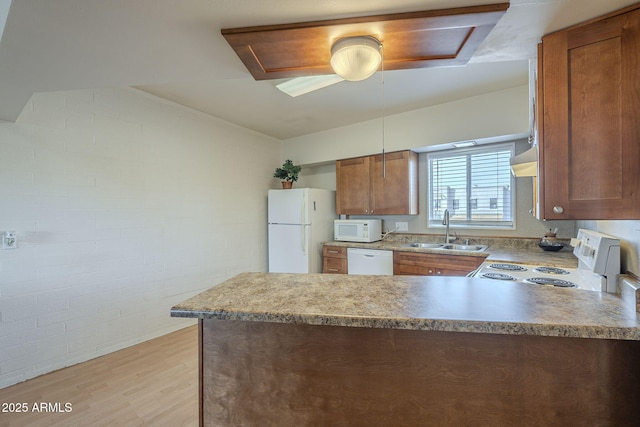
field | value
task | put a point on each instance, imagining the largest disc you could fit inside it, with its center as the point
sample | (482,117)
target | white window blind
(474,184)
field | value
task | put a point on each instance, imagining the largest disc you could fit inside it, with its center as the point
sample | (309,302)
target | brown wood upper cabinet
(378,185)
(589,152)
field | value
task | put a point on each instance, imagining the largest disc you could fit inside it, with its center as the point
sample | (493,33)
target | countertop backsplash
(501,242)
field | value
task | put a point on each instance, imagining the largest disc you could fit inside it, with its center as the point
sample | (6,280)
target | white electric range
(598,266)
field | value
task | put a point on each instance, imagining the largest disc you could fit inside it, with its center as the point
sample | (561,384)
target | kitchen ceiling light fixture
(356,58)
(464,144)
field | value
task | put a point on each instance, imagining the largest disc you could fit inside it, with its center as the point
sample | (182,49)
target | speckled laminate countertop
(456,304)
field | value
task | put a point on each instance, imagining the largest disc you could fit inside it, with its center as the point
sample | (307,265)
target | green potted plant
(288,173)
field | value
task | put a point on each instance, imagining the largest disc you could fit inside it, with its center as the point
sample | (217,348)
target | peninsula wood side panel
(293,375)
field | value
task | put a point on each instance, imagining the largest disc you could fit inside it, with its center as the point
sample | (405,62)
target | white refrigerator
(300,220)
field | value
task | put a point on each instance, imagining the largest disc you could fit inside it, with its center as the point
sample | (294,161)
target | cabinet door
(352,186)
(589,149)
(334,251)
(394,183)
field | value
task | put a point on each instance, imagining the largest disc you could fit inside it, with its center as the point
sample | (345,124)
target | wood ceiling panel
(434,38)
(428,44)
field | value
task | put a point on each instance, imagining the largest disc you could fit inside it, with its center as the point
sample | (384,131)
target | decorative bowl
(548,246)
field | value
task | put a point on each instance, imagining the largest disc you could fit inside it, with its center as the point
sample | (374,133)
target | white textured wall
(491,115)
(124,205)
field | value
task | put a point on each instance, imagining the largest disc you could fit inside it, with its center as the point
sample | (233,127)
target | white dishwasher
(369,261)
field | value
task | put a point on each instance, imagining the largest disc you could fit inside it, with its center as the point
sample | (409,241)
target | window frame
(503,225)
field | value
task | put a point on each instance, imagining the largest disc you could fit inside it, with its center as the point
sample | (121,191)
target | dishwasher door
(369,261)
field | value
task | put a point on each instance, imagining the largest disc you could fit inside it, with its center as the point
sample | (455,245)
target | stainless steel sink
(451,247)
(424,245)
(471,248)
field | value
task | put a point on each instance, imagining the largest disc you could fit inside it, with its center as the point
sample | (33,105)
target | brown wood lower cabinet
(334,259)
(423,264)
(273,374)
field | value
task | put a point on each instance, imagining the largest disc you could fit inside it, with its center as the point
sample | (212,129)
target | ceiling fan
(353,58)
(320,53)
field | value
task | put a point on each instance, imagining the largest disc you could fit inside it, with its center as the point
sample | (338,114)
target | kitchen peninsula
(317,349)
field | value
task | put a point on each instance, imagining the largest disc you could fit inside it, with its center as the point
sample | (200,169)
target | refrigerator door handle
(303,240)
(303,235)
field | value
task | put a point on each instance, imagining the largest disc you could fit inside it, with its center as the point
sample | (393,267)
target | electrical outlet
(9,240)
(402,226)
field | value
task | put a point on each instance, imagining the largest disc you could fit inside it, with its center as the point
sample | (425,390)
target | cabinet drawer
(434,264)
(334,265)
(334,252)
(414,270)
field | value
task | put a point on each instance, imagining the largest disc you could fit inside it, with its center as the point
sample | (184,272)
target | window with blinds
(474,184)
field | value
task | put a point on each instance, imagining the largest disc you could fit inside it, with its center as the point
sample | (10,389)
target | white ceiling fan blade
(4,14)
(301,85)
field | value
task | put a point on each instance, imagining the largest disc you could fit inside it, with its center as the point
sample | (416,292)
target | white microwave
(357,230)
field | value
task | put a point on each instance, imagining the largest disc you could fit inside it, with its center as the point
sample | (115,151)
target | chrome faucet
(445,222)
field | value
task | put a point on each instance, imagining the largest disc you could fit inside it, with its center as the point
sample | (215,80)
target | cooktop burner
(553,282)
(498,276)
(507,267)
(550,270)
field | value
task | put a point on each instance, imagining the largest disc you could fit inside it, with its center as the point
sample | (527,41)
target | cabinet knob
(439,273)
(430,271)
(558,209)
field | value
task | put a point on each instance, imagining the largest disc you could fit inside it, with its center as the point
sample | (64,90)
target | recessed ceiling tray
(431,38)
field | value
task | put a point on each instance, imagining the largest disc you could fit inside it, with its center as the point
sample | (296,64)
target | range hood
(525,164)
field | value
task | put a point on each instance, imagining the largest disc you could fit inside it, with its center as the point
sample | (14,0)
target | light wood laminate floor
(154,383)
